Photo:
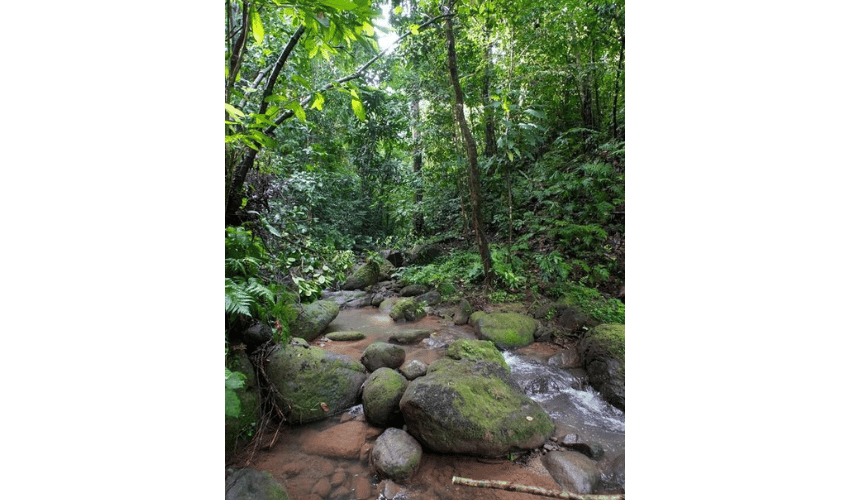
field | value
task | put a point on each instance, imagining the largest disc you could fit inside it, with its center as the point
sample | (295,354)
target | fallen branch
(505,485)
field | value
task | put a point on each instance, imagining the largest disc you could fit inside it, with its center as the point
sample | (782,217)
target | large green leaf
(256,26)
(357,106)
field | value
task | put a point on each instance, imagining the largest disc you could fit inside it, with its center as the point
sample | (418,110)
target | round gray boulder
(380,354)
(396,455)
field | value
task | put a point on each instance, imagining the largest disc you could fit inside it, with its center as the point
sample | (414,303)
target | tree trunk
(234,195)
(418,222)
(489,119)
(617,85)
(472,157)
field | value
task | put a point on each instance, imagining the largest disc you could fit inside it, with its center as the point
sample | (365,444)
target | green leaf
(414,28)
(319,102)
(339,4)
(233,111)
(368,28)
(357,106)
(256,26)
(295,106)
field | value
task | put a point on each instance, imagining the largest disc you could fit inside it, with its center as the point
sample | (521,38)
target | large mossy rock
(603,354)
(382,392)
(396,455)
(506,330)
(406,309)
(251,484)
(313,319)
(312,383)
(472,406)
(249,399)
(363,277)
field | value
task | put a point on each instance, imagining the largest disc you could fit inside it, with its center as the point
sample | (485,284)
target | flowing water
(328,460)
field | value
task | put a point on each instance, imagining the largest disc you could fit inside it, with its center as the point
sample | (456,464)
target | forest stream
(328,460)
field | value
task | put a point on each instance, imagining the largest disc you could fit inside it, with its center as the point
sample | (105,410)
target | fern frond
(237,300)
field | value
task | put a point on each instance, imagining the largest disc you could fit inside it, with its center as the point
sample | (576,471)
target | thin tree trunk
(472,157)
(418,222)
(489,119)
(533,490)
(617,85)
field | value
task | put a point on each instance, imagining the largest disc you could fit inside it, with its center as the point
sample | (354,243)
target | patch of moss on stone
(347,335)
(612,337)
(407,308)
(506,330)
(476,350)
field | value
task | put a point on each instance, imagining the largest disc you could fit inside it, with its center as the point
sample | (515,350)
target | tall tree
(471,155)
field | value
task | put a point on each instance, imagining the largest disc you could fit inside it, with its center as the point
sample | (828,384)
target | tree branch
(533,490)
(278,66)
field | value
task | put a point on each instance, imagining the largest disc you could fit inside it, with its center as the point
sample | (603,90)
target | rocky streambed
(433,393)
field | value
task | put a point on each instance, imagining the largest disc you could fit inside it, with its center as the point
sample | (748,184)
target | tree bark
(533,490)
(617,85)
(489,119)
(472,157)
(234,196)
(418,223)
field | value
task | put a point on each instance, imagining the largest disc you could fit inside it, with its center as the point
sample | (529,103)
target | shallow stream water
(328,460)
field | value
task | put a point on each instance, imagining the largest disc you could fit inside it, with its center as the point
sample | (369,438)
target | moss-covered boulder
(236,429)
(312,383)
(476,350)
(363,276)
(473,406)
(346,335)
(251,484)
(407,309)
(603,354)
(505,329)
(382,392)
(396,455)
(313,318)
(409,336)
(382,354)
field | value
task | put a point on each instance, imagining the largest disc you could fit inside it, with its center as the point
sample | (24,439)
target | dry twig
(534,490)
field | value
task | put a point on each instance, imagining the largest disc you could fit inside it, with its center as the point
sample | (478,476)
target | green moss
(612,337)
(476,350)
(385,383)
(506,330)
(312,376)
(484,399)
(347,335)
